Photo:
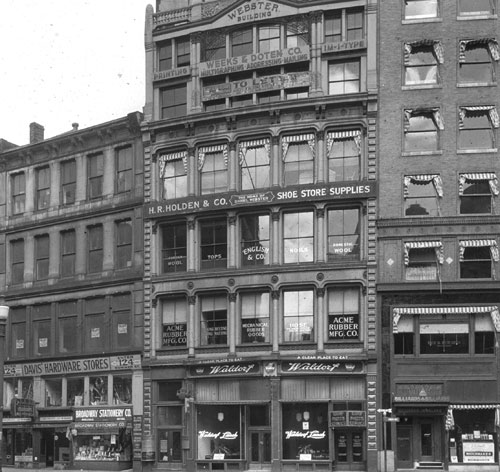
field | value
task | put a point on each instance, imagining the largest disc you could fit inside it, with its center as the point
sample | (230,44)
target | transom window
(344,77)
(476,127)
(422,59)
(173,173)
(422,193)
(298,237)
(421,130)
(419,9)
(476,192)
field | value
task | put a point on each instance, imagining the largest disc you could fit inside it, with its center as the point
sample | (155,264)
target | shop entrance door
(427,441)
(404,446)
(259,447)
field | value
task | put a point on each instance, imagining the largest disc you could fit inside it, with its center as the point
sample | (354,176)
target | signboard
(225,369)
(347,418)
(343,46)
(22,407)
(420,393)
(174,335)
(171,73)
(94,364)
(320,367)
(343,326)
(478,451)
(137,436)
(330,191)
(257,60)
(102,414)
(257,10)
(338,419)
(256,85)
(254,330)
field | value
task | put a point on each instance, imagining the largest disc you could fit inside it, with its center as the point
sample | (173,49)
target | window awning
(332,136)
(437,245)
(436,45)
(434,112)
(450,420)
(310,138)
(491,243)
(164,159)
(254,143)
(202,151)
(442,310)
(490,42)
(491,177)
(492,113)
(422,180)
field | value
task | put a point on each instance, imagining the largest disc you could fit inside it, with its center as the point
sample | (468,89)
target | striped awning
(436,45)
(202,151)
(332,136)
(492,113)
(397,312)
(165,158)
(471,43)
(254,143)
(450,420)
(310,138)
(491,243)
(437,245)
(422,180)
(491,177)
(433,112)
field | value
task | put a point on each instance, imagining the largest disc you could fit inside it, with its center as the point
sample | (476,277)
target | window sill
(421,86)
(421,20)
(487,16)
(421,153)
(476,151)
(477,84)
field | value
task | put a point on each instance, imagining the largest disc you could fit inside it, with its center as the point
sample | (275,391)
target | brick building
(260,209)
(438,286)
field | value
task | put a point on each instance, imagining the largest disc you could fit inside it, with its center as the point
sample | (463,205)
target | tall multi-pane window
(165,59)
(269,38)
(422,194)
(42,188)
(95,323)
(213,321)
(95,248)
(17,335)
(174,323)
(173,101)
(182,51)
(477,61)
(42,257)
(68,253)
(344,155)
(421,130)
(421,61)
(212,164)
(477,126)
(123,244)
(124,174)
(95,176)
(41,329)
(121,334)
(343,234)
(173,174)
(255,164)
(213,244)
(298,237)
(255,317)
(298,316)
(476,191)
(477,257)
(255,240)
(18,192)
(344,25)
(344,77)
(343,314)
(241,42)
(68,182)
(298,159)
(68,335)
(174,247)
(17,261)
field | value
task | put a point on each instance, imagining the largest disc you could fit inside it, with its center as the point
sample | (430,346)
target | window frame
(17,250)
(341,140)
(342,16)
(433,195)
(18,192)
(295,234)
(179,104)
(344,79)
(479,257)
(492,10)
(309,333)
(177,307)
(95,176)
(258,326)
(423,16)
(215,321)
(414,61)
(41,321)
(210,244)
(68,181)
(173,175)
(178,251)
(68,310)
(239,44)
(68,254)
(416,131)
(255,249)
(95,248)
(42,257)
(485,65)
(42,179)
(260,171)
(124,244)
(344,236)
(348,316)
(213,174)
(94,321)
(298,166)
(124,168)
(467,126)
(467,196)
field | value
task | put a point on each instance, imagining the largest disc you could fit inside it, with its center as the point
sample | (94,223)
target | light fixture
(220,416)
(298,416)
(306,416)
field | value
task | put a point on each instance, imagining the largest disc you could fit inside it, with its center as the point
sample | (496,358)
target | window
(298,159)
(422,59)
(173,172)
(41,325)
(298,316)
(476,257)
(269,38)
(95,248)
(75,391)
(42,257)
(484,334)
(68,182)
(476,127)
(297,34)
(419,9)
(422,193)
(298,235)
(422,259)
(124,173)
(255,240)
(255,163)
(17,261)
(98,390)
(121,305)
(343,234)
(95,172)
(296,93)
(344,25)
(343,314)
(174,247)
(344,154)
(18,191)
(94,325)
(122,389)
(53,392)
(404,335)
(173,101)
(68,332)
(213,323)
(169,421)
(68,253)
(123,244)
(165,56)
(476,7)
(344,77)
(174,323)
(255,317)
(476,192)
(17,336)
(421,130)
(212,164)
(214,47)
(241,101)
(179,49)
(476,61)
(241,42)
(269,97)
(183,47)
(450,336)
(213,244)
(42,188)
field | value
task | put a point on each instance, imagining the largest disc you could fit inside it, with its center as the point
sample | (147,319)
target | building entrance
(260,447)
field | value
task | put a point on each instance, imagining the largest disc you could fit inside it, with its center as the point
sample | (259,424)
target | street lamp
(4,314)
(384,412)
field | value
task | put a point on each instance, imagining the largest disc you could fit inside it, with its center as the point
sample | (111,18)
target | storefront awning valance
(437,245)
(450,420)
(254,143)
(491,243)
(310,138)
(491,177)
(354,134)
(204,150)
(164,159)
(471,43)
(492,113)
(436,45)
(423,179)
(443,310)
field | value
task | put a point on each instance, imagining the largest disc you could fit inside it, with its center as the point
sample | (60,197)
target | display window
(305,431)
(219,432)
(103,447)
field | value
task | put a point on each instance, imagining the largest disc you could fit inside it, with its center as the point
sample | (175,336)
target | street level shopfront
(281,415)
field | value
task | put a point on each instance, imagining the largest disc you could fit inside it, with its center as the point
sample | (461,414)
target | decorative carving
(231,282)
(154,302)
(320,276)
(191,223)
(275,294)
(232,146)
(320,292)
(191,298)
(232,297)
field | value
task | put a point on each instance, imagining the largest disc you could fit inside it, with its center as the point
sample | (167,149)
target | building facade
(260,215)
(71,273)
(438,286)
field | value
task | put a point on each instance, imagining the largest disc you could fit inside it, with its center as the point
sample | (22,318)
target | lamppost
(384,412)
(4,314)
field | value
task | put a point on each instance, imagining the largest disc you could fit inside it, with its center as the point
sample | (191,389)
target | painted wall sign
(292,434)
(254,10)
(257,60)
(259,84)
(174,334)
(127,361)
(171,73)
(320,367)
(420,393)
(347,418)
(22,407)
(343,326)
(343,46)
(225,369)
(332,191)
